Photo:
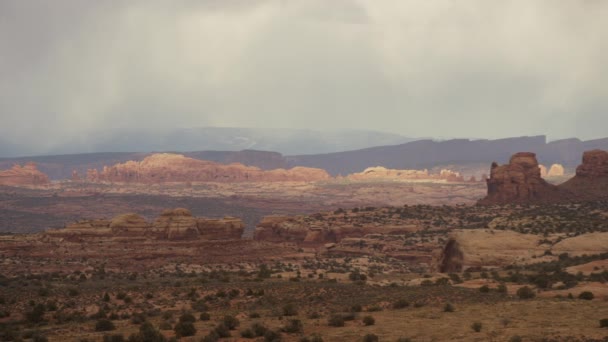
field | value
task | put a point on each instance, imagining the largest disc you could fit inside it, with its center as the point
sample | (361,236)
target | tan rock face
(175,224)
(543,170)
(519,181)
(27,175)
(379,172)
(498,248)
(556,170)
(165,167)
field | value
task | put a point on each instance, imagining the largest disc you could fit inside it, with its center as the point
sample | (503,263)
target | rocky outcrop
(129,225)
(591,179)
(382,173)
(487,248)
(520,181)
(543,171)
(320,229)
(556,170)
(27,175)
(175,224)
(475,248)
(165,167)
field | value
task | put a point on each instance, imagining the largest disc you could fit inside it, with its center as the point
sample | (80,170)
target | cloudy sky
(443,68)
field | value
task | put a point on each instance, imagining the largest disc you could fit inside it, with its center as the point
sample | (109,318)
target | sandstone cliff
(520,181)
(27,175)
(165,167)
(591,179)
(175,224)
(379,173)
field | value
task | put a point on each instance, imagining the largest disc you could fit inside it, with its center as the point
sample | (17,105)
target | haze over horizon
(73,70)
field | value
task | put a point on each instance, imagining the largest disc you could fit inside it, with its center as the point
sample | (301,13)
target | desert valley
(303,171)
(175,247)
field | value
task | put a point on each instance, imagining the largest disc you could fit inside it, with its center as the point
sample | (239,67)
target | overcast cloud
(488,69)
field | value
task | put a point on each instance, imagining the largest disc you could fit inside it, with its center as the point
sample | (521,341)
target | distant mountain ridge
(418,154)
(285,141)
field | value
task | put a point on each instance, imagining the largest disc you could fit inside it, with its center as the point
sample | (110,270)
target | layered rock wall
(175,224)
(27,175)
(165,167)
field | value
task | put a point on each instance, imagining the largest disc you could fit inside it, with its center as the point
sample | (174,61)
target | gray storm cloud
(70,69)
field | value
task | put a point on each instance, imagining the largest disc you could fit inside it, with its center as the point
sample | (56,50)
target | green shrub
(36,315)
(104,325)
(258,329)
(370,338)
(272,336)
(586,295)
(289,310)
(204,316)
(211,337)
(293,326)
(525,293)
(604,323)
(336,321)
(476,326)
(187,317)
(254,315)
(369,320)
(184,329)
(113,338)
(400,304)
(231,322)
(515,338)
(247,333)
(448,307)
(222,330)
(484,289)
(200,306)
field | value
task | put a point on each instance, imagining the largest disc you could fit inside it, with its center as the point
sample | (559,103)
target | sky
(442,68)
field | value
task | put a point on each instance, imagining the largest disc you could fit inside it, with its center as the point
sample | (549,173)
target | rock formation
(175,224)
(543,171)
(165,167)
(519,182)
(556,170)
(27,175)
(476,248)
(591,179)
(75,176)
(379,173)
(319,229)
